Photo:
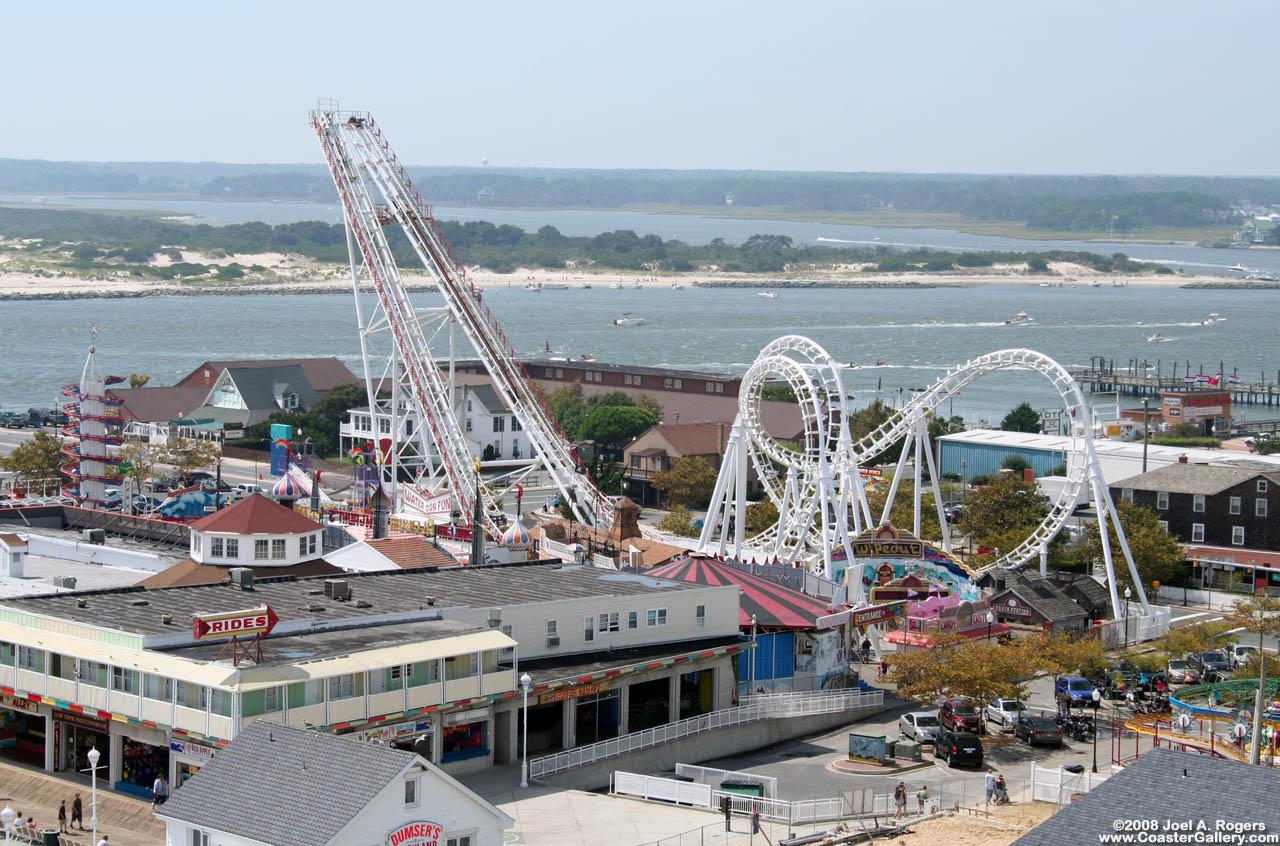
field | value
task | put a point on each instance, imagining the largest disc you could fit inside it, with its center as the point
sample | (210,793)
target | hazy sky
(1030,86)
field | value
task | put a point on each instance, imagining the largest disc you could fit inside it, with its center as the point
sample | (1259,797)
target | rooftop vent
(137,603)
(166,619)
(363,603)
(313,606)
(241,578)
(431,600)
(337,589)
(82,603)
(68,582)
(316,592)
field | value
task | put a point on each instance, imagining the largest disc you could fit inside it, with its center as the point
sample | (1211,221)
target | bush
(1199,442)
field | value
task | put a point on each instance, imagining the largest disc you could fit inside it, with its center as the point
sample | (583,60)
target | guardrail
(767,706)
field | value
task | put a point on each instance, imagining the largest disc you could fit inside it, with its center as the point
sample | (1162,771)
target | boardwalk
(1136,380)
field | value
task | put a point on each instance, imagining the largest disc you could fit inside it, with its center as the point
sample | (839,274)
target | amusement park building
(425,658)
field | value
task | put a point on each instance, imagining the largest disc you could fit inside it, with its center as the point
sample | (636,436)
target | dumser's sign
(416,833)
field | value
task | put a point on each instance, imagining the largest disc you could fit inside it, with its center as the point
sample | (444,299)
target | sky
(1046,86)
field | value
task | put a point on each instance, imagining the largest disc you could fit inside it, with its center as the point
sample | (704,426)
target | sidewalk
(37,794)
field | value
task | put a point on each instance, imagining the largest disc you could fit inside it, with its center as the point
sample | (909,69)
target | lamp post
(753,655)
(93,756)
(991,618)
(1096,696)
(6,817)
(1127,593)
(525,682)
(1146,436)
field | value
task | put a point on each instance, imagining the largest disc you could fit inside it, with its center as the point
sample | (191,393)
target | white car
(1240,653)
(921,726)
(1005,711)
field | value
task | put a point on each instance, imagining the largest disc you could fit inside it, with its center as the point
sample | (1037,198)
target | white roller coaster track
(376,192)
(817,485)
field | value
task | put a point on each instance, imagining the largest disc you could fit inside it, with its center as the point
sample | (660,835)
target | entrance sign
(416,833)
(254,621)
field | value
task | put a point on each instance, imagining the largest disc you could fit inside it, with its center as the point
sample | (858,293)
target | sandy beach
(286,274)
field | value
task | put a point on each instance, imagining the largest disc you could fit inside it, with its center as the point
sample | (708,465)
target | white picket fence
(1059,786)
(768,706)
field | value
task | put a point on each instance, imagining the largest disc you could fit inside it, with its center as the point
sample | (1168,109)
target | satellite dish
(484,162)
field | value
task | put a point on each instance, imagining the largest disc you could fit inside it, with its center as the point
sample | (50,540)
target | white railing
(769,706)
(714,776)
(663,789)
(1059,786)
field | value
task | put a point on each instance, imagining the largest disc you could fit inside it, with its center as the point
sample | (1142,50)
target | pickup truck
(10,420)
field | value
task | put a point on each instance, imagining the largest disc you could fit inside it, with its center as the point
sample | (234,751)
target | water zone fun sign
(255,621)
(416,833)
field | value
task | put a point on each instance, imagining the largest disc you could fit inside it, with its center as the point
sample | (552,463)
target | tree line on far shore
(90,242)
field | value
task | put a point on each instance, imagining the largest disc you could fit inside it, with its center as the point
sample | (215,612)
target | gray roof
(286,786)
(1045,597)
(259,385)
(1163,784)
(1205,479)
(488,397)
(388,591)
(1093,590)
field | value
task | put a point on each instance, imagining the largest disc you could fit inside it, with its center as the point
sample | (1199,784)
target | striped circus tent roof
(774,605)
(287,488)
(516,535)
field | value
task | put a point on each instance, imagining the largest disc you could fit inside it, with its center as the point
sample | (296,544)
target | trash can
(50,838)
(742,788)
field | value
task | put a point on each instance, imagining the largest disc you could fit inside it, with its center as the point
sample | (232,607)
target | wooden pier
(1141,378)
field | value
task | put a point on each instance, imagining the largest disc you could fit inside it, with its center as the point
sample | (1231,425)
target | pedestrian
(31,826)
(159,791)
(1002,790)
(105,841)
(884,668)
(991,784)
(921,798)
(62,816)
(900,800)
(77,812)
(866,650)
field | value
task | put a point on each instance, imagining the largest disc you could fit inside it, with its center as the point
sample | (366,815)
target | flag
(1234,380)
(1190,380)
(95,331)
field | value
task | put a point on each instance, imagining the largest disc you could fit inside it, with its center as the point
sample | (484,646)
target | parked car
(921,726)
(1038,731)
(1182,672)
(1074,690)
(246,488)
(960,715)
(1210,662)
(958,748)
(10,420)
(1240,653)
(1005,711)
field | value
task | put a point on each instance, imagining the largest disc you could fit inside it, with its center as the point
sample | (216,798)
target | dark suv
(960,715)
(958,748)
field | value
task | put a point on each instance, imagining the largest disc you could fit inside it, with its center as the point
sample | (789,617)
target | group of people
(900,800)
(29,826)
(997,790)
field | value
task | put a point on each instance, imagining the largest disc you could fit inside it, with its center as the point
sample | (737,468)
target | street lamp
(525,681)
(93,756)
(1127,593)
(6,817)
(991,618)
(1096,696)
(753,655)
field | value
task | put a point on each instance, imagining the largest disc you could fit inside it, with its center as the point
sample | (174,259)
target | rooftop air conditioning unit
(94,536)
(241,578)
(337,589)
(68,582)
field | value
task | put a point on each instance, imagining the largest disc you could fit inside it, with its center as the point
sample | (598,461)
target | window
(1127,493)
(302,546)
(215,547)
(199,838)
(1234,505)
(460,840)
(674,384)
(233,548)
(559,372)
(93,673)
(553,633)
(411,792)
(594,376)
(1262,486)
(277,548)
(1259,508)
(125,681)
(220,702)
(515,423)
(507,657)
(656,617)
(193,695)
(271,700)
(261,549)
(635,461)
(1237,535)
(195,542)
(499,423)
(1164,524)
(30,658)
(158,688)
(548,372)
(1197,532)
(1162,500)
(588,629)
(468,404)
(400,672)
(60,666)
(347,686)
(306,693)
(468,424)
(700,617)
(609,622)
(709,387)
(632,379)
(633,620)
(1197,503)
(6,654)
(384,426)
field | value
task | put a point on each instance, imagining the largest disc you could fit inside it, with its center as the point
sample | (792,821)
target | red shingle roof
(189,572)
(256,515)
(413,552)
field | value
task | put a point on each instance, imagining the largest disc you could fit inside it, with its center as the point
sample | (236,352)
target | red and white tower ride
(94,426)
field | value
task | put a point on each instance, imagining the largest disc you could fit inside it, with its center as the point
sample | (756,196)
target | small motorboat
(634,286)
(1095,284)
(1156,337)
(676,286)
(617,286)
(1238,268)
(628,319)
(1212,319)
(533,286)
(768,295)
(1020,319)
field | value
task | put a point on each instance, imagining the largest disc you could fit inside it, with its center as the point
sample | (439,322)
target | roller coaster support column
(935,483)
(897,477)
(915,478)
(1107,512)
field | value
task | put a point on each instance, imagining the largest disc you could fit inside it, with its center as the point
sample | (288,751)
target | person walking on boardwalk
(921,798)
(62,817)
(900,800)
(77,812)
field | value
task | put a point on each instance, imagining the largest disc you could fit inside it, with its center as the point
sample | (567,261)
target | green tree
(939,425)
(1198,637)
(569,408)
(1004,513)
(188,455)
(138,380)
(778,393)
(328,412)
(37,461)
(142,457)
(867,420)
(1015,462)
(1156,553)
(612,427)
(650,404)
(902,515)
(760,516)
(609,398)
(679,521)
(690,481)
(1023,418)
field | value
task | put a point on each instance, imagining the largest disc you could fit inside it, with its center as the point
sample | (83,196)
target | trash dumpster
(742,788)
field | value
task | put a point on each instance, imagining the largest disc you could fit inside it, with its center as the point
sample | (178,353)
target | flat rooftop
(39,571)
(1106,447)
(387,592)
